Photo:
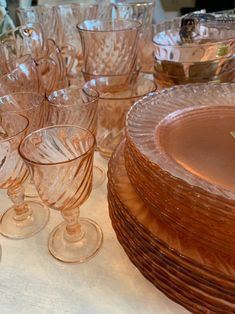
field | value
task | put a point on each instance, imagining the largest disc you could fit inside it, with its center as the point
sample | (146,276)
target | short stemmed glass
(78,106)
(23,219)
(61,159)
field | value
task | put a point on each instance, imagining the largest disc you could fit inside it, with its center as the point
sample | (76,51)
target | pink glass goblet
(23,219)
(61,159)
(30,105)
(76,106)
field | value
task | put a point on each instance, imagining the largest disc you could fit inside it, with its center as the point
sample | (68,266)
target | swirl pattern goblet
(23,219)
(61,159)
(30,105)
(76,106)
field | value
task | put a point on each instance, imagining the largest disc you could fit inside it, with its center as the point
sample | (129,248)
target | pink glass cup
(61,160)
(32,106)
(76,106)
(23,219)
(116,95)
(109,46)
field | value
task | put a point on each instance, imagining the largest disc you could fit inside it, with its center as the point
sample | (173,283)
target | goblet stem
(22,211)
(73,231)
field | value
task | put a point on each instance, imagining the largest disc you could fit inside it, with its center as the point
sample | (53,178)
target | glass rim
(137,24)
(130,97)
(28,160)
(54,103)
(78,4)
(133,3)
(19,132)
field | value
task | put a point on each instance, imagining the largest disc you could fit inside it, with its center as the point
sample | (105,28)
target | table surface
(32,281)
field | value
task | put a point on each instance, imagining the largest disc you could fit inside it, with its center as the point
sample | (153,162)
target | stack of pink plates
(180,157)
(172,194)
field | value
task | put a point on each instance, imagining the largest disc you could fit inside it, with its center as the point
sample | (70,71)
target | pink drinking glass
(117,93)
(32,106)
(109,46)
(61,159)
(76,106)
(23,219)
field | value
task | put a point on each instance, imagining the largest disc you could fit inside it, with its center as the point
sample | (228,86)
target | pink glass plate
(200,141)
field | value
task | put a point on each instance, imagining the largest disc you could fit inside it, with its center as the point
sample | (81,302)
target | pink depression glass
(61,159)
(116,96)
(76,106)
(204,55)
(109,46)
(23,219)
(30,105)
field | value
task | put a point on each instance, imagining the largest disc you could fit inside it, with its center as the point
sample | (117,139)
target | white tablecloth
(33,282)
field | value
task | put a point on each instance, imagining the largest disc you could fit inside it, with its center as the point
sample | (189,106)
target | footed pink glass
(60,159)
(76,106)
(24,218)
(30,105)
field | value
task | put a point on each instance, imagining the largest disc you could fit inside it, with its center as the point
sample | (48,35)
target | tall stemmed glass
(61,159)
(30,105)
(76,106)
(23,219)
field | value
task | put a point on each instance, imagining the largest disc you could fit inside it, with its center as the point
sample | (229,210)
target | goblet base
(36,220)
(99,176)
(78,251)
